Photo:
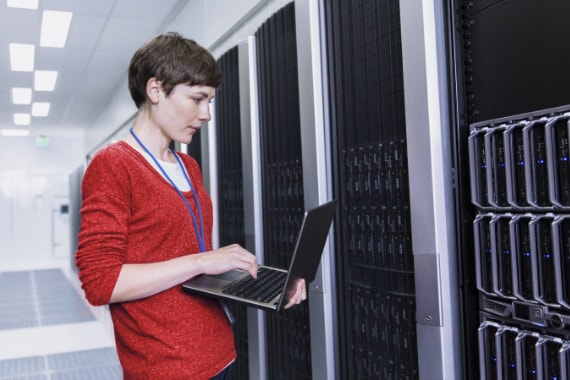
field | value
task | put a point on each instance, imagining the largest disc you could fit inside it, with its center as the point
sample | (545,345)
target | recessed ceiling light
(14,132)
(55,26)
(22,118)
(44,80)
(40,109)
(26,4)
(22,57)
(21,95)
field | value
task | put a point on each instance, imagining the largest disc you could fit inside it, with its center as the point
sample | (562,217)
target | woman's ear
(153,89)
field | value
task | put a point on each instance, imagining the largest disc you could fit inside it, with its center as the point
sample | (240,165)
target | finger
(253,271)
(247,262)
(290,303)
(249,267)
(297,298)
(303,286)
(301,290)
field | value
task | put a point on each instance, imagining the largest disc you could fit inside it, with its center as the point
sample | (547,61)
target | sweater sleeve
(104,219)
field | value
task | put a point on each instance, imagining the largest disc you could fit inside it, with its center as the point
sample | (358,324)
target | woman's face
(181,114)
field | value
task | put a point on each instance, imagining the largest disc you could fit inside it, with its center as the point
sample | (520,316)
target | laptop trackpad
(219,280)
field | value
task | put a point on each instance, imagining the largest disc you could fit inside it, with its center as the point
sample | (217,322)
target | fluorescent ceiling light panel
(15,132)
(22,118)
(55,26)
(21,95)
(22,57)
(44,80)
(40,109)
(26,4)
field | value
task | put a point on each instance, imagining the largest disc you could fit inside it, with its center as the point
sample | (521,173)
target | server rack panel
(557,131)
(375,267)
(287,339)
(485,257)
(230,181)
(317,168)
(543,260)
(565,360)
(497,188)
(527,361)
(515,166)
(501,246)
(505,342)
(250,148)
(561,242)
(488,350)
(550,358)
(478,168)
(537,168)
(523,272)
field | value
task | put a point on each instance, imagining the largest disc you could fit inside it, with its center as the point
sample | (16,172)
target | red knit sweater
(131,214)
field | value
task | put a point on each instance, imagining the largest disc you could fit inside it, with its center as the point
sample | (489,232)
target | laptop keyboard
(269,283)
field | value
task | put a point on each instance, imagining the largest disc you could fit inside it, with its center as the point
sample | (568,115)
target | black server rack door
(375,273)
(230,182)
(287,333)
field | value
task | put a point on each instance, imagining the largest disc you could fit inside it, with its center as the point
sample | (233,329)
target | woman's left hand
(300,293)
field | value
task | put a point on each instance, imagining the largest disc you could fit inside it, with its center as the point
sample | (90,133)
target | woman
(147,222)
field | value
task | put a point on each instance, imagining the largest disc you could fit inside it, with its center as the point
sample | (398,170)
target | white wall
(32,181)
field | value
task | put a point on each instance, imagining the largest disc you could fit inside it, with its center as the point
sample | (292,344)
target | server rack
(273,162)
(515,113)
(287,334)
(231,216)
(376,297)
(250,149)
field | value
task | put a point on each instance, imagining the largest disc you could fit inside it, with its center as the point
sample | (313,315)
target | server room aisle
(49,332)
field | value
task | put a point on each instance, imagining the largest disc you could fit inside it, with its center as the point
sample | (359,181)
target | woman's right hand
(227,258)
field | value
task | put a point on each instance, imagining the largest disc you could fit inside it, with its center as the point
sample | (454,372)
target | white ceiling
(103,35)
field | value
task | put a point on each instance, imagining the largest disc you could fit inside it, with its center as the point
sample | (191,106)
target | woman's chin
(186,139)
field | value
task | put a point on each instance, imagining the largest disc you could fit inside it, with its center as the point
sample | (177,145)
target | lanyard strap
(199,231)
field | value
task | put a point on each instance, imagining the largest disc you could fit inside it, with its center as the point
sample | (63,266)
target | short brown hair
(171,59)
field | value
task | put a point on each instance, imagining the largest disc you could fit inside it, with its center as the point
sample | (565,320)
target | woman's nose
(205,114)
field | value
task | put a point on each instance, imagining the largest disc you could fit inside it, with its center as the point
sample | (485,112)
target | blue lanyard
(199,231)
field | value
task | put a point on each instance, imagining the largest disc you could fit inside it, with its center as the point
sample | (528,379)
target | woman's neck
(153,140)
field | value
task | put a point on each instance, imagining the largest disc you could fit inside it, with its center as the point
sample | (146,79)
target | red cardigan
(131,214)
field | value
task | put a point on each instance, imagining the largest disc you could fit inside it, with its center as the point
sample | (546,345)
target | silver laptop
(274,286)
